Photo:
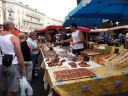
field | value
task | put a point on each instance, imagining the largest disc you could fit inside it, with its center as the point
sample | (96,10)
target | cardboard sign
(86,58)
(116,51)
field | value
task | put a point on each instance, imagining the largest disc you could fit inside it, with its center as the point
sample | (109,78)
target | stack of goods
(73,64)
(63,54)
(83,64)
(50,54)
(73,74)
(56,62)
(118,61)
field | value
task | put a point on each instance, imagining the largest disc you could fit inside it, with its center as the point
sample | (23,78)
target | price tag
(116,51)
(125,73)
(59,83)
(96,78)
(74,59)
(86,58)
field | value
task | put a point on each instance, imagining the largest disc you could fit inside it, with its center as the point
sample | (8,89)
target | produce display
(50,54)
(63,54)
(117,61)
(73,64)
(55,62)
(73,74)
(83,64)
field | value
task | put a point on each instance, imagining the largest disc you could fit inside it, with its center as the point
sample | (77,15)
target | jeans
(34,61)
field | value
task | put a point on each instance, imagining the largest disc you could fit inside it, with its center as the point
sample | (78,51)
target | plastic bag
(25,88)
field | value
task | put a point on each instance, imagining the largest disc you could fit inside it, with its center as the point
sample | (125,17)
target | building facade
(26,19)
(51,21)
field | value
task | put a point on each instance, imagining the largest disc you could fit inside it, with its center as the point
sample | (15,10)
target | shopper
(77,38)
(10,74)
(63,36)
(26,51)
(35,50)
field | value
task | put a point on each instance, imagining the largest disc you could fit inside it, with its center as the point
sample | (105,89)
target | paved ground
(37,85)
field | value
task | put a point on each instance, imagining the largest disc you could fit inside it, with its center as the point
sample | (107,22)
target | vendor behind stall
(77,38)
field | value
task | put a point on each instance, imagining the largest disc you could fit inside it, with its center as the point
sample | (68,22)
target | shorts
(9,78)
(28,67)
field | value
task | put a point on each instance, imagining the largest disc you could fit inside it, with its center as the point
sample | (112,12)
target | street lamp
(117,23)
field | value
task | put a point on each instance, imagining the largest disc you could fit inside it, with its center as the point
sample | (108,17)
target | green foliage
(109,24)
(105,25)
(123,22)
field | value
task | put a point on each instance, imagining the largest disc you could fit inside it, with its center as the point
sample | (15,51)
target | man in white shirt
(10,75)
(77,38)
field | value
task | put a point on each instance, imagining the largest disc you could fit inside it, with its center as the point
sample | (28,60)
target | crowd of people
(114,39)
(25,51)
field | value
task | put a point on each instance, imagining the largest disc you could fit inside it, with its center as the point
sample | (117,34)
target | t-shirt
(33,45)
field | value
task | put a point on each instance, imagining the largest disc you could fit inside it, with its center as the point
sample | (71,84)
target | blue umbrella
(103,9)
(80,21)
(89,22)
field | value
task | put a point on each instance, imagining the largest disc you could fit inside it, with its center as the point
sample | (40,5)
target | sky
(57,9)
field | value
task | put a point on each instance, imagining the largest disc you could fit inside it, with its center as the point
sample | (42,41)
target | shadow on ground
(38,84)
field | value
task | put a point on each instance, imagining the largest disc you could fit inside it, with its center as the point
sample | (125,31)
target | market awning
(84,29)
(16,32)
(48,28)
(122,28)
(104,9)
(41,30)
(89,22)
(54,27)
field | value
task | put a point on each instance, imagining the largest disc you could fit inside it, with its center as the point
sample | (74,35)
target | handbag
(7,59)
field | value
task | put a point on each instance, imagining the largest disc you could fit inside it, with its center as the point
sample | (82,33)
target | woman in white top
(77,39)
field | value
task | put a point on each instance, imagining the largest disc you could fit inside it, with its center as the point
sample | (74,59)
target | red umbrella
(16,32)
(54,27)
(41,30)
(85,29)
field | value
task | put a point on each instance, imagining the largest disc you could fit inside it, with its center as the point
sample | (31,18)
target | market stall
(68,75)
